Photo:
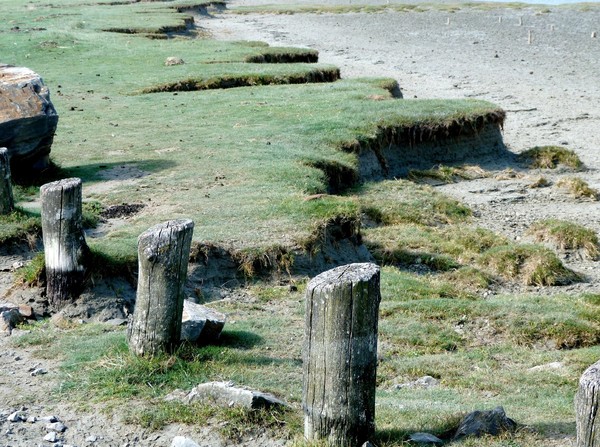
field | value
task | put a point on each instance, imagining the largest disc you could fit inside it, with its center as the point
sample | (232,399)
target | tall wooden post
(163,253)
(340,355)
(65,249)
(587,401)
(7,202)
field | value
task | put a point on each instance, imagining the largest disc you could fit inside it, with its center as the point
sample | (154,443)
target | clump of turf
(532,265)
(447,174)
(540,182)
(579,188)
(550,157)
(567,235)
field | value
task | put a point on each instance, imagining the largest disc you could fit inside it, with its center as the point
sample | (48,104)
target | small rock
(174,61)
(479,423)
(200,324)
(49,419)
(181,441)
(91,438)
(227,395)
(38,372)
(15,417)
(368,444)
(427,382)
(51,437)
(425,438)
(26,311)
(17,265)
(56,426)
(547,366)
(421,382)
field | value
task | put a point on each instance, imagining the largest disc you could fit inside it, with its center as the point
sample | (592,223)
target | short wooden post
(163,253)
(7,202)
(340,355)
(587,401)
(65,249)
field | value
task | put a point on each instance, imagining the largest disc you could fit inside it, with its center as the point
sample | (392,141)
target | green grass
(263,170)
(479,349)
(20,226)
(239,162)
(566,235)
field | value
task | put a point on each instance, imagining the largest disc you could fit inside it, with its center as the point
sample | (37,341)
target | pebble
(181,441)
(50,419)
(56,426)
(38,372)
(15,417)
(51,437)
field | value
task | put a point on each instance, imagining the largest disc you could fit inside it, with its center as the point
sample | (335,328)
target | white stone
(51,437)
(182,441)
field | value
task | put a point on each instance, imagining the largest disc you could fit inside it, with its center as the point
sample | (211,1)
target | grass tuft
(540,182)
(448,174)
(33,273)
(532,265)
(550,157)
(566,235)
(579,188)
(20,226)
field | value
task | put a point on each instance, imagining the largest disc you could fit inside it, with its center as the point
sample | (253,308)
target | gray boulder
(200,324)
(226,395)
(479,423)
(28,119)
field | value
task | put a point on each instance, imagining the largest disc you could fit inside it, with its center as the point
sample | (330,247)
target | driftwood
(340,355)
(587,400)
(163,253)
(65,249)
(7,202)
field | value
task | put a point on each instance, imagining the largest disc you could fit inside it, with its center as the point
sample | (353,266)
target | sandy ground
(548,87)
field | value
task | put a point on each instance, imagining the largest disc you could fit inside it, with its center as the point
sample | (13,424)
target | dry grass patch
(566,235)
(540,182)
(448,174)
(579,188)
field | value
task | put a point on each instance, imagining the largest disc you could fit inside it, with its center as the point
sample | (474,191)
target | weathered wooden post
(7,202)
(340,355)
(65,249)
(163,253)
(587,401)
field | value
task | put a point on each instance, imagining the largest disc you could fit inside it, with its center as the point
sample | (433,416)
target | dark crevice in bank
(232,81)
